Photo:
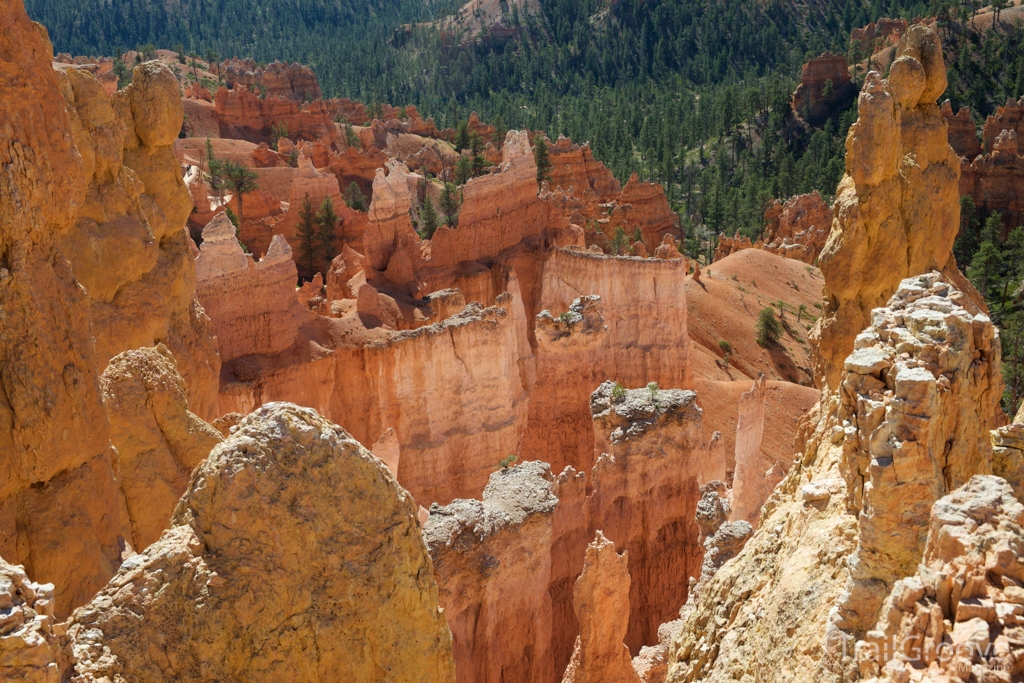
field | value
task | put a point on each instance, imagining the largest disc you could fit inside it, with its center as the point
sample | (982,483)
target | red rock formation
(575,166)
(653,455)
(1008,117)
(570,366)
(730,245)
(264,157)
(996,180)
(963,134)
(876,35)
(601,600)
(355,166)
(810,101)
(645,206)
(492,559)
(252,304)
(242,115)
(295,82)
(350,112)
(797,229)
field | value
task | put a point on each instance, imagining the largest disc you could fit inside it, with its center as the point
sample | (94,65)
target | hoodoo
(295,387)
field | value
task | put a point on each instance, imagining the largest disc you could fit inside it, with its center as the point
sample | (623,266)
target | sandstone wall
(643,304)
(493,565)
(646,485)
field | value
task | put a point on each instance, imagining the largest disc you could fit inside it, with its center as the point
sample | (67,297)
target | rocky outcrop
(575,166)
(645,206)
(876,35)
(963,134)
(159,441)
(1008,454)
(295,82)
(900,174)
(646,485)
(850,518)
(289,501)
(1010,116)
(30,650)
(252,304)
(996,180)
(730,245)
(908,426)
(493,565)
(905,453)
(797,229)
(825,89)
(601,600)
(135,208)
(959,616)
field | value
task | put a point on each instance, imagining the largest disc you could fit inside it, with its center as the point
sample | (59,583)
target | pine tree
(540,156)
(428,219)
(986,266)
(354,197)
(500,131)
(967,237)
(476,153)
(239,178)
(326,221)
(463,170)
(307,232)
(449,204)
(462,137)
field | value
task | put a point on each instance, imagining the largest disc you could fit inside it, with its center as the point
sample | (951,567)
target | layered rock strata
(569,367)
(646,485)
(493,564)
(291,501)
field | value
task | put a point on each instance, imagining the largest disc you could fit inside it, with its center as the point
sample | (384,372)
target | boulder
(289,501)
